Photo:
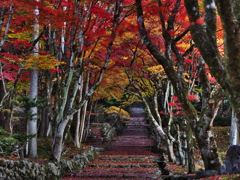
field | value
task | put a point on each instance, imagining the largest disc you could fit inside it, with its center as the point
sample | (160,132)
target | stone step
(129,138)
(99,156)
(136,144)
(113,174)
(121,170)
(128,150)
(136,128)
(122,159)
(133,138)
(121,165)
(137,131)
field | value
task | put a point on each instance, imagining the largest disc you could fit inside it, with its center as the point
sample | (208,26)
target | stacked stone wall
(27,170)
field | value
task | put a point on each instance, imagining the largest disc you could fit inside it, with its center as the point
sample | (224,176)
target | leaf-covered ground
(128,156)
(221,133)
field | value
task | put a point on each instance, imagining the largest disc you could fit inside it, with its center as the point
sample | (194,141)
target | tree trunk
(83,120)
(2,92)
(159,128)
(46,117)
(58,142)
(32,142)
(171,155)
(208,148)
(44,123)
(179,145)
(190,149)
(234,136)
(81,112)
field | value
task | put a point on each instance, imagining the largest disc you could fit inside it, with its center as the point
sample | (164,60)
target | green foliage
(3,132)
(10,143)
(25,103)
(7,142)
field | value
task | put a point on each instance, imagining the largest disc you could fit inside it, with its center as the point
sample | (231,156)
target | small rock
(207,173)
(2,162)
(233,160)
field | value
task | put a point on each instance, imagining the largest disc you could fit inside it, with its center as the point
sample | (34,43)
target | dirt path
(129,156)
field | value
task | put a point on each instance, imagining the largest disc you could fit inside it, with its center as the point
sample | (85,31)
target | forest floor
(131,136)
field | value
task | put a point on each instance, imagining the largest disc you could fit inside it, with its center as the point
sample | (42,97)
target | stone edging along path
(27,170)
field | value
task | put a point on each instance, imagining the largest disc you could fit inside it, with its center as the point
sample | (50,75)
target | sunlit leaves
(118,111)
(43,62)
(157,70)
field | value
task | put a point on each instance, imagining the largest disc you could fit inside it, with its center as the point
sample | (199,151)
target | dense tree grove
(62,61)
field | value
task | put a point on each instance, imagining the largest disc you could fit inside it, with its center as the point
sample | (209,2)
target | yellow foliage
(157,70)
(42,62)
(24,36)
(124,115)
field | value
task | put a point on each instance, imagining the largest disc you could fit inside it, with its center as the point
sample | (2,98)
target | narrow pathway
(129,156)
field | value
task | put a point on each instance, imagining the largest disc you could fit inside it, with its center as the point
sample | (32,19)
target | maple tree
(172,59)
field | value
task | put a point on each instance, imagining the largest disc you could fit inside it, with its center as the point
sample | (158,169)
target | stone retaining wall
(27,170)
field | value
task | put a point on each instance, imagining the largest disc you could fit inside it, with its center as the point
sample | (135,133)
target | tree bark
(234,136)
(190,149)
(32,142)
(2,92)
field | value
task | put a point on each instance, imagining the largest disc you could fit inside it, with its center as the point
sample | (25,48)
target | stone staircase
(128,156)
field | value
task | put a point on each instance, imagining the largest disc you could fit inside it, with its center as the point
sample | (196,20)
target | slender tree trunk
(2,81)
(83,120)
(171,155)
(46,117)
(2,92)
(81,112)
(88,122)
(170,141)
(76,141)
(159,128)
(32,142)
(190,149)
(179,145)
(44,123)
(234,136)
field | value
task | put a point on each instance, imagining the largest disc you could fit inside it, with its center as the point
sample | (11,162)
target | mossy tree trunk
(226,69)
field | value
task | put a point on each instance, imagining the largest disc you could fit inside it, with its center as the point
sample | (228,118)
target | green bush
(11,143)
